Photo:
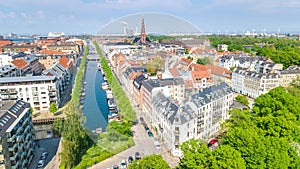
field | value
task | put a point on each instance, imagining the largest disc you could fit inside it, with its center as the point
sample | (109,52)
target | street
(143,144)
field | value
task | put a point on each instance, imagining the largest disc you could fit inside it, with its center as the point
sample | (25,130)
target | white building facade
(39,91)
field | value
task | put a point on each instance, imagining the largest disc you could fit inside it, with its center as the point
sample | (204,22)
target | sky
(88,16)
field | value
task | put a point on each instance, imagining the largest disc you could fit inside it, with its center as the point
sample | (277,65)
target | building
(16,135)
(289,75)
(26,48)
(9,71)
(39,91)
(173,88)
(22,65)
(253,84)
(222,47)
(198,116)
(175,124)
(213,104)
(61,74)
(219,74)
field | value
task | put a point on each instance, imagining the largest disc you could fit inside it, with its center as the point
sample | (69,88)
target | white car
(157,145)
(123,164)
(41,163)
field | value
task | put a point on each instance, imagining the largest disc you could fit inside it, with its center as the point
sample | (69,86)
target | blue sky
(87,16)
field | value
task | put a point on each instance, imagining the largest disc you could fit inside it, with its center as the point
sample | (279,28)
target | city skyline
(88,16)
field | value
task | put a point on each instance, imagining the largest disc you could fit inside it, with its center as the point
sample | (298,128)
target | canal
(95,103)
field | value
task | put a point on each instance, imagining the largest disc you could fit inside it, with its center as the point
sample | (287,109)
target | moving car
(115,167)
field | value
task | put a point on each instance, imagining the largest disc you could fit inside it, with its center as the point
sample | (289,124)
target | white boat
(109,94)
(111,104)
(104,86)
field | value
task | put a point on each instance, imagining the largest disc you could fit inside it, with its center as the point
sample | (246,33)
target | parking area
(144,144)
(46,145)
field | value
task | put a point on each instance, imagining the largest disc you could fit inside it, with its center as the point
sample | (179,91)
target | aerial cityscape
(104,84)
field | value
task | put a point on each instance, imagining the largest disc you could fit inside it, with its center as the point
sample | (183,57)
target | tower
(143,32)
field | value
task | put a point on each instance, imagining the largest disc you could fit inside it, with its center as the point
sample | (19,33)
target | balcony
(52,93)
(13,147)
(53,99)
(52,89)
(17,165)
(15,157)
(176,132)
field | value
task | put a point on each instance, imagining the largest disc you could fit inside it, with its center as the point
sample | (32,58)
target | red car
(213,141)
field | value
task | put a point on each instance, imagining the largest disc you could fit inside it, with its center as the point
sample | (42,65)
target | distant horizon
(87,16)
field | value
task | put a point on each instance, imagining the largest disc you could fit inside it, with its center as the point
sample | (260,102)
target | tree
(196,155)
(53,107)
(228,157)
(242,99)
(201,61)
(75,140)
(31,110)
(150,162)
(190,58)
(186,51)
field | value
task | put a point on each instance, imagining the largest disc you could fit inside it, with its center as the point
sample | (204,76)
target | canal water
(95,103)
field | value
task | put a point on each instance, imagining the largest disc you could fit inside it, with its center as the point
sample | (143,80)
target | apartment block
(213,104)
(39,91)
(253,84)
(289,75)
(174,123)
(198,116)
(174,88)
(16,135)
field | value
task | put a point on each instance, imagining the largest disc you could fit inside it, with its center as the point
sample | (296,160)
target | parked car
(150,134)
(146,127)
(115,167)
(157,145)
(137,155)
(130,159)
(41,163)
(141,119)
(212,142)
(44,155)
(123,164)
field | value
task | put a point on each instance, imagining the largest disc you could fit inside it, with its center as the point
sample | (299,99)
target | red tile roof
(217,70)
(65,62)
(174,72)
(196,67)
(185,61)
(19,63)
(199,75)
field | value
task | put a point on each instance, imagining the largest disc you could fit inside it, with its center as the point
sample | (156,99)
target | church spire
(143,32)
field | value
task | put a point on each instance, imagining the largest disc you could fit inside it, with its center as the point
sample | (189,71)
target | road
(143,144)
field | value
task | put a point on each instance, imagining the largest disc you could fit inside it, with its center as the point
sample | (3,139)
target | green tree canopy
(242,99)
(53,108)
(150,162)
(228,157)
